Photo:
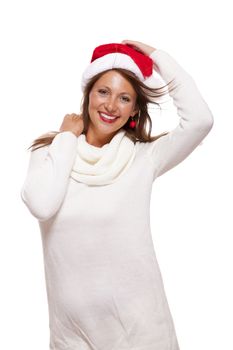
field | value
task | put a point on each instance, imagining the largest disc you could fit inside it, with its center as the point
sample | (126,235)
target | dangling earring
(132,122)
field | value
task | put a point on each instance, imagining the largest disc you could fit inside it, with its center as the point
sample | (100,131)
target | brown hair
(145,95)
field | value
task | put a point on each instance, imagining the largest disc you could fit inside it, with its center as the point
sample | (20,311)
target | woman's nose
(111,104)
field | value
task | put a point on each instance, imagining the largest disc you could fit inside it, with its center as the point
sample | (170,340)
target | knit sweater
(104,286)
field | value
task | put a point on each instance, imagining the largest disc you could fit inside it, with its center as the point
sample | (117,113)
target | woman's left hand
(137,45)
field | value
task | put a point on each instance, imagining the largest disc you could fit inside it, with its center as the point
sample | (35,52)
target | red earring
(132,123)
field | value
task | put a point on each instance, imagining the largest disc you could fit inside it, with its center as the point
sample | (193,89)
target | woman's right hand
(72,122)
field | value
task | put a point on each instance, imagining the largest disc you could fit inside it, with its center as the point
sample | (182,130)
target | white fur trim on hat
(110,61)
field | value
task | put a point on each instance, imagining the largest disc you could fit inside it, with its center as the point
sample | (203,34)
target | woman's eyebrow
(107,87)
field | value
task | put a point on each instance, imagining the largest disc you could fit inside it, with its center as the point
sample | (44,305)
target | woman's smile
(108,118)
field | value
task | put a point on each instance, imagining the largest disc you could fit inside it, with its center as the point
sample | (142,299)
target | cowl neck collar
(103,165)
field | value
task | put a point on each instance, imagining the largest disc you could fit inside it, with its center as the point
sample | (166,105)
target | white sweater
(104,286)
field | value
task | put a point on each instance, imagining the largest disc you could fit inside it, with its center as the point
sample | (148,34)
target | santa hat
(110,56)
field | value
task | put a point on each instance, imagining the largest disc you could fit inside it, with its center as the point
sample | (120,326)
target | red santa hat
(110,56)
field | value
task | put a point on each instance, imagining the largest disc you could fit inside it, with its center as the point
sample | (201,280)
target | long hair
(145,96)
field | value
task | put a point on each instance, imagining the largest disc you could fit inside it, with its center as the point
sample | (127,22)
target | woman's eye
(101,91)
(125,99)
(104,92)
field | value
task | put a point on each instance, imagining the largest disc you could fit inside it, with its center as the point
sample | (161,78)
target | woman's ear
(135,111)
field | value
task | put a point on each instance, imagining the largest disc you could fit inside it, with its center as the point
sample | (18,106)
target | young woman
(89,186)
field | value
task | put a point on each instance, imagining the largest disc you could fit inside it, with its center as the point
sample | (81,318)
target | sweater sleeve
(196,119)
(47,176)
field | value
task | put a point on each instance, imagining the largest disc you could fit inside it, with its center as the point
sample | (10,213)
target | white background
(45,46)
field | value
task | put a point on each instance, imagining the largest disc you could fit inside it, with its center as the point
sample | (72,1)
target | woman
(89,186)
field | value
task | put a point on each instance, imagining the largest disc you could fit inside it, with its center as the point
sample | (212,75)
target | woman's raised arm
(196,119)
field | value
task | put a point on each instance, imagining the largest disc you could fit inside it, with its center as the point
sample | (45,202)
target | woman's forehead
(113,79)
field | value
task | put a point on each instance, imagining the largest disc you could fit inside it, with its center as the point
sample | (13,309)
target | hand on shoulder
(73,122)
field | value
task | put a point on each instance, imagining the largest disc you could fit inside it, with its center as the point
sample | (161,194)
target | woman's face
(111,102)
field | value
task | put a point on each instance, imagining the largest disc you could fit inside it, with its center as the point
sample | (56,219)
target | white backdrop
(45,46)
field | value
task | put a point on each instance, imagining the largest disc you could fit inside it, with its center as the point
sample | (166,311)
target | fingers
(135,44)
(73,115)
(129,42)
(139,46)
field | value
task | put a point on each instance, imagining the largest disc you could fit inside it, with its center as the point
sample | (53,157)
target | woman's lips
(108,118)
